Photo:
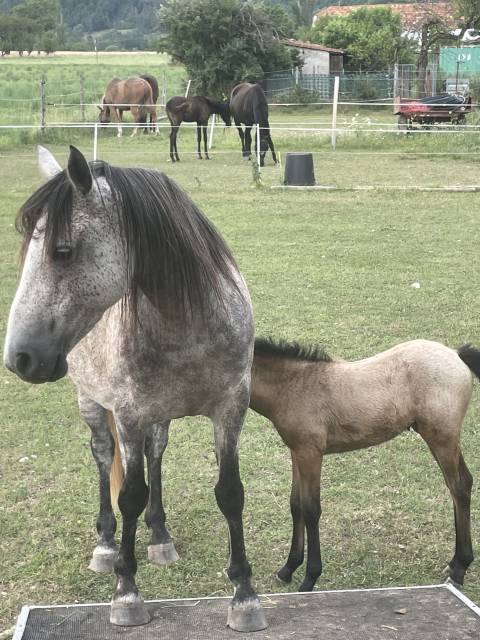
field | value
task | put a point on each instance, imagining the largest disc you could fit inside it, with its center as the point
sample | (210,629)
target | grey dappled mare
(126,280)
(248,105)
(195,109)
(320,406)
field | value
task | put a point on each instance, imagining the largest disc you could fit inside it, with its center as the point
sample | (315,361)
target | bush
(363,90)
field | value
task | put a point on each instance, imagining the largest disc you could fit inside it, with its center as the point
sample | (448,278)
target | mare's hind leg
(204,129)
(447,453)
(244,611)
(161,549)
(272,148)
(242,138)
(127,607)
(247,151)
(297,547)
(103,447)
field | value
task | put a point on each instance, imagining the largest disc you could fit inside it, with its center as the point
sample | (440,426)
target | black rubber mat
(432,613)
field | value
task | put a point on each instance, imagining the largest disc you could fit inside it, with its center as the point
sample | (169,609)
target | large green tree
(222,42)
(371,38)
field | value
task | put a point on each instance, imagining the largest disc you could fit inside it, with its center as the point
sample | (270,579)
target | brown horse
(195,109)
(136,94)
(321,406)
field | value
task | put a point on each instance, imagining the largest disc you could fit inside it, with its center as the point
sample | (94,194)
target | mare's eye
(63,253)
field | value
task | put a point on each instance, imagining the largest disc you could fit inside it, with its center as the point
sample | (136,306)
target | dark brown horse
(196,109)
(320,406)
(248,105)
(137,94)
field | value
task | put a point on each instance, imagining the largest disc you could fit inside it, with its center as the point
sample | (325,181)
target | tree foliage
(371,38)
(31,25)
(222,42)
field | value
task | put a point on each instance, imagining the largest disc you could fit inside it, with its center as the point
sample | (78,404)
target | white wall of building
(315,61)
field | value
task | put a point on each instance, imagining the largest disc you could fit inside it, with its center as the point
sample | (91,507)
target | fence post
(82,96)
(257,141)
(188,88)
(43,104)
(210,136)
(95,141)
(336,88)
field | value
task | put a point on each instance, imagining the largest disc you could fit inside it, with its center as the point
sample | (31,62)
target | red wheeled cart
(429,111)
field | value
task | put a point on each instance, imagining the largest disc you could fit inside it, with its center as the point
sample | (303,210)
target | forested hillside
(135,24)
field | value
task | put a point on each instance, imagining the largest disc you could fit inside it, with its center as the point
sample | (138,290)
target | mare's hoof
(129,611)
(103,559)
(161,554)
(454,577)
(284,576)
(246,616)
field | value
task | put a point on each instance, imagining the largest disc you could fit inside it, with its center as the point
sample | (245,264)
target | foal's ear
(47,164)
(79,171)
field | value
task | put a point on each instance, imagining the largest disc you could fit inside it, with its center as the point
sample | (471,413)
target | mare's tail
(117,475)
(154,85)
(471,357)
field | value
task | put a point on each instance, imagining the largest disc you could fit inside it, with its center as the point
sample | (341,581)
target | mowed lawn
(335,268)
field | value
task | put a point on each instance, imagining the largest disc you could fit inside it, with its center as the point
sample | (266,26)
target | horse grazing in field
(248,105)
(321,406)
(129,283)
(137,94)
(195,109)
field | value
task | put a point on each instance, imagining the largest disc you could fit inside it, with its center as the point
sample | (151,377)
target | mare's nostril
(22,362)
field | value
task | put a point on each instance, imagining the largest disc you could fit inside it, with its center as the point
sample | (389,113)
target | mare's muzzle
(36,365)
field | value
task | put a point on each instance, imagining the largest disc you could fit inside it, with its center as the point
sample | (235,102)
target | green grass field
(329,267)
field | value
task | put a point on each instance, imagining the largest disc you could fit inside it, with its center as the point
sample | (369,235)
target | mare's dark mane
(268,347)
(176,257)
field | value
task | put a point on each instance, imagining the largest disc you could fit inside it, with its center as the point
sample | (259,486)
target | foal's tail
(471,357)
(117,475)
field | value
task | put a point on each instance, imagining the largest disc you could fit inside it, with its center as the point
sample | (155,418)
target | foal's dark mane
(268,347)
(175,254)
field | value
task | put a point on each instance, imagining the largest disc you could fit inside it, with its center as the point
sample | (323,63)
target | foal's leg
(459,480)
(161,549)
(244,611)
(295,557)
(127,607)
(309,466)
(103,446)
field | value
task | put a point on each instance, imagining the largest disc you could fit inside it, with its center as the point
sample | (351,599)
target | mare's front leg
(242,137)
(204,129)
(309,466)
(103,447)
(244,611)
(247,152)
(128,608)
(297,547)
(199,141)
(272,148)
(161,549)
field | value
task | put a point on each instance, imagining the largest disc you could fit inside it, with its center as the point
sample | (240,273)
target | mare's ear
(79,171)
(47,164)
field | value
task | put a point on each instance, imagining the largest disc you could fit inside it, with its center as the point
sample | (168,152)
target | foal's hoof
(246,616)
(129,611)
(103,559)
(161,554)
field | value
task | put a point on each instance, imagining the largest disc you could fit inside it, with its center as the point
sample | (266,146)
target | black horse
(195,109)
(248,105)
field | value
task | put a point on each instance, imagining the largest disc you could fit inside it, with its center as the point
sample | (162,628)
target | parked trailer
(425,112)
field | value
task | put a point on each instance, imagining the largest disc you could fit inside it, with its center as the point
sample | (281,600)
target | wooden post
(336,88)
(43,104)
(82,96)
(188,88)
(210,135)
